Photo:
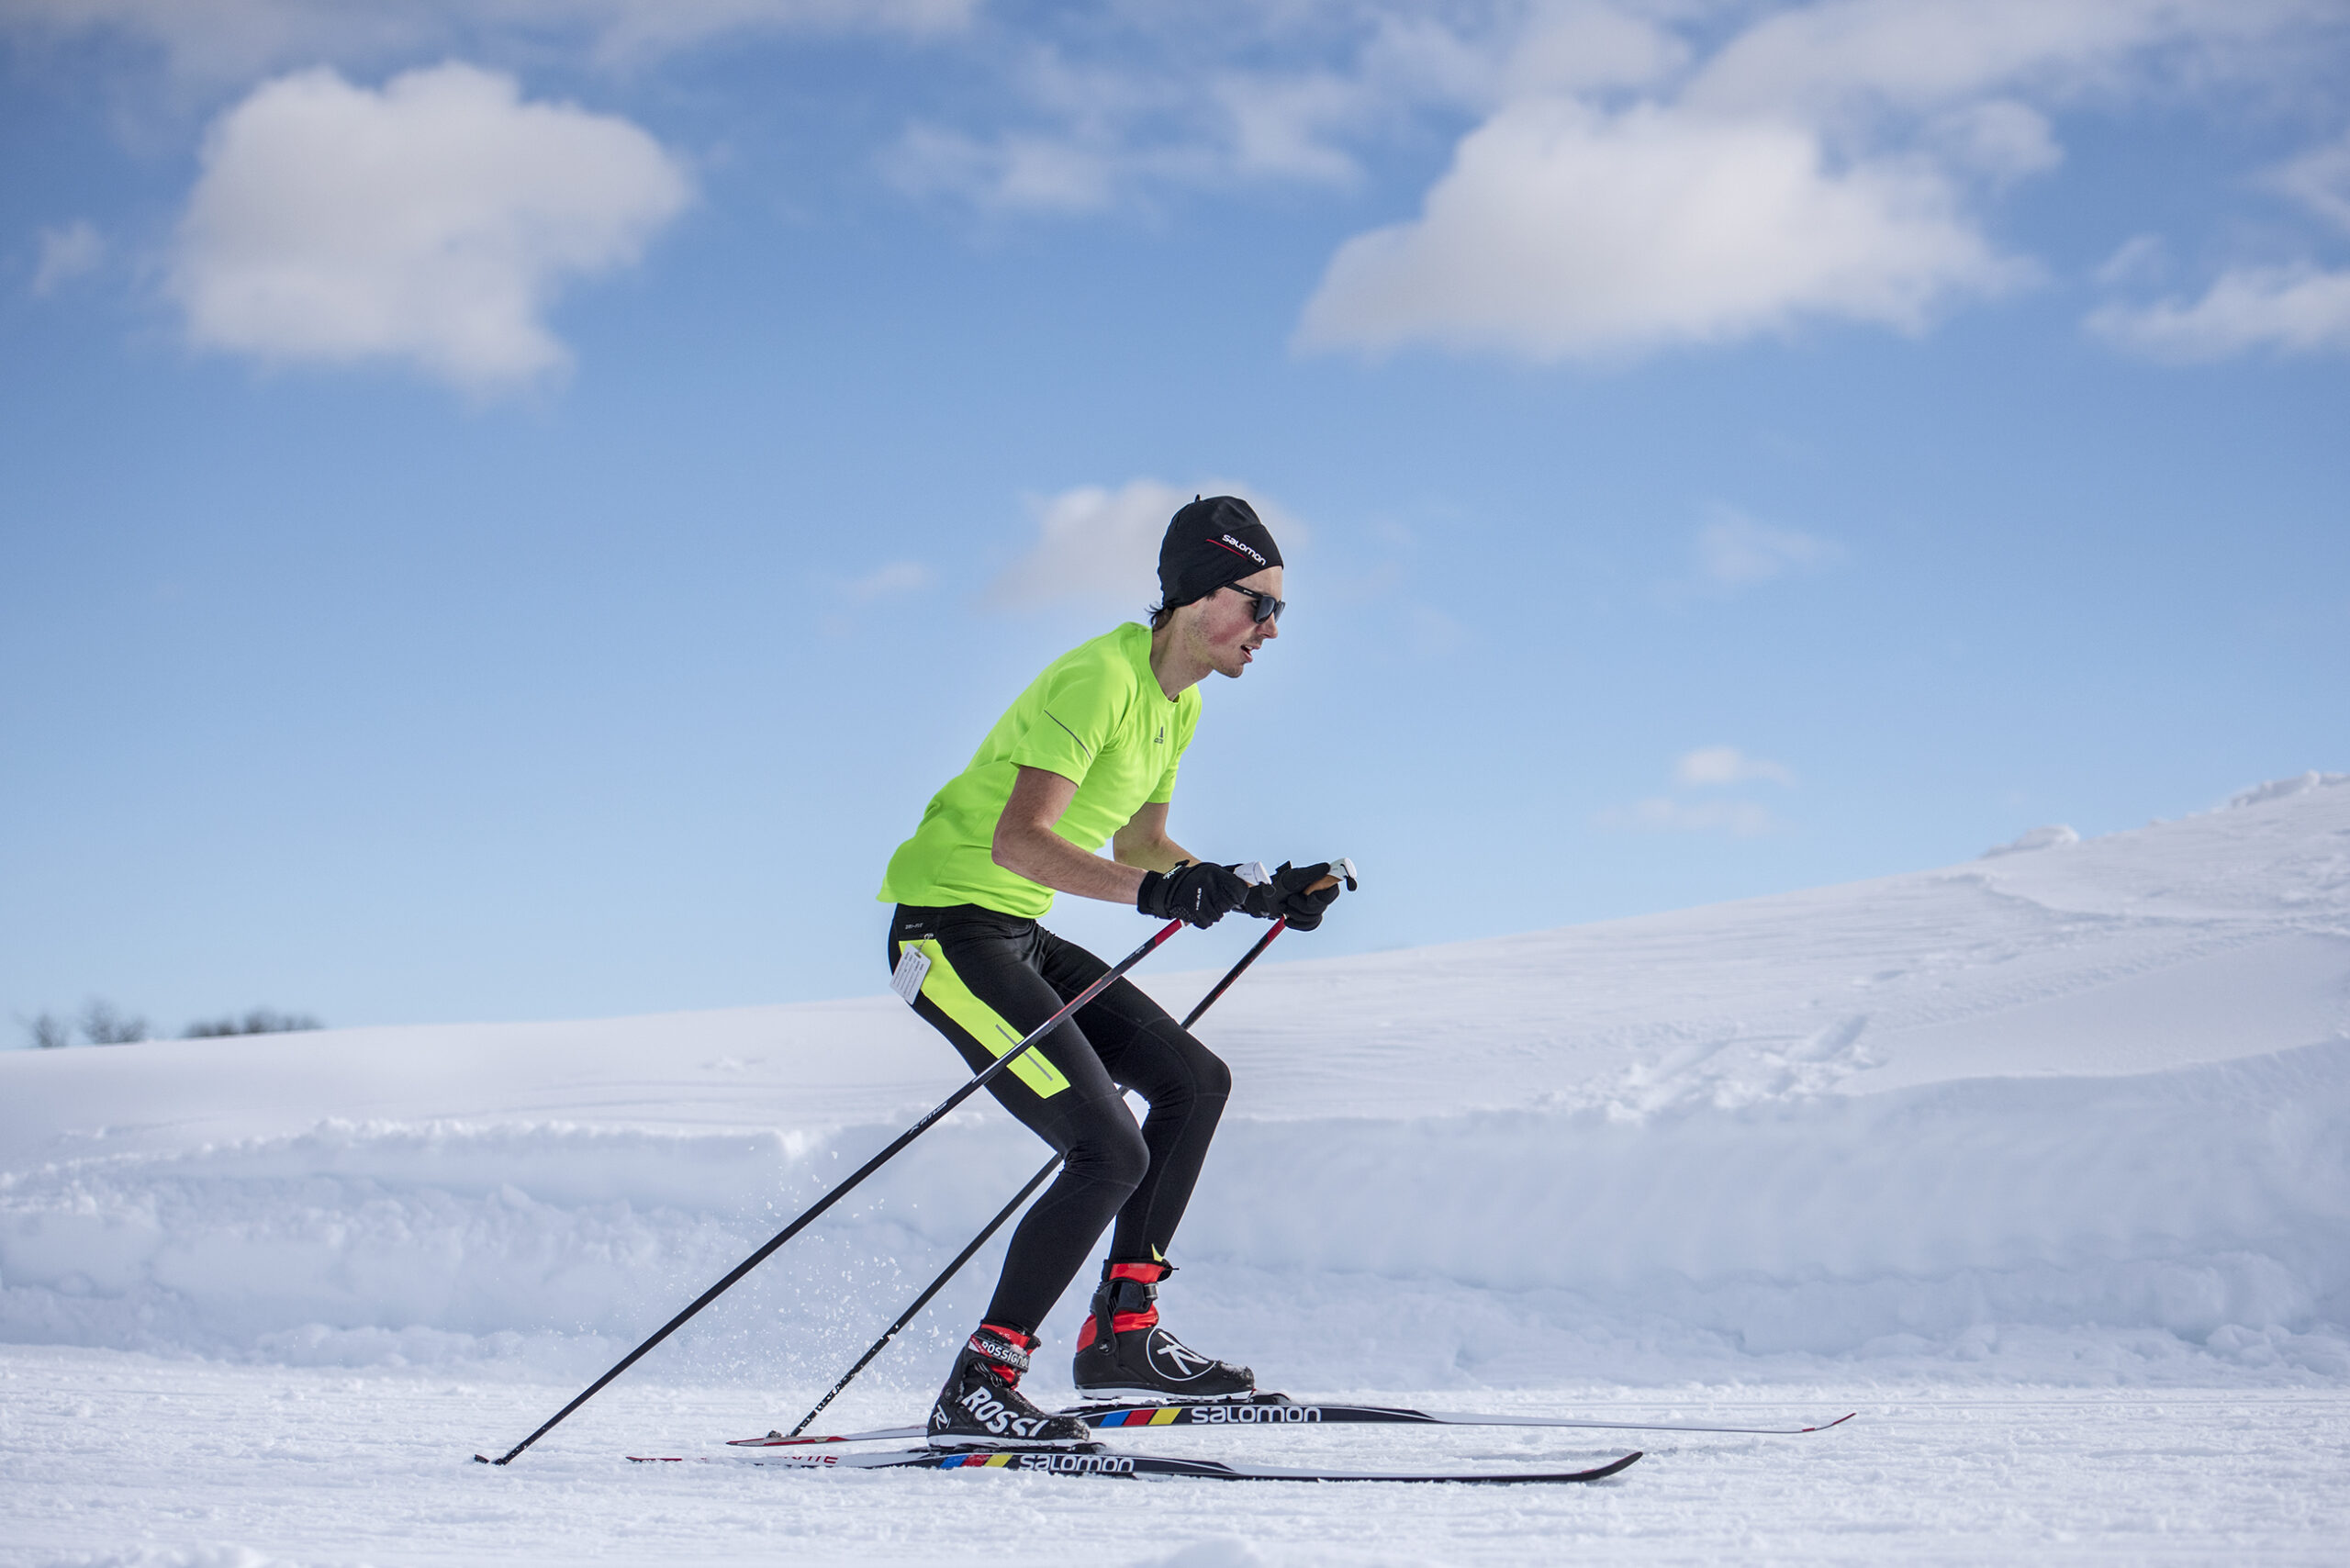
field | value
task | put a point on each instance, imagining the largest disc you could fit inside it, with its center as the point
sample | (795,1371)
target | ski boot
(982,1407)
(1123,1353)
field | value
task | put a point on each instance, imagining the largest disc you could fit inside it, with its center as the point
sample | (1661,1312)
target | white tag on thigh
(913,964)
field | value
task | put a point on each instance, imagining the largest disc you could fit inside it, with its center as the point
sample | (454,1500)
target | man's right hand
(1198,894)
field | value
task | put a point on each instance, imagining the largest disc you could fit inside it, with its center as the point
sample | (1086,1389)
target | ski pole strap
(815,1209)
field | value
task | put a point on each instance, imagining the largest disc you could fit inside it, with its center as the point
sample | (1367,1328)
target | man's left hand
(1293,896)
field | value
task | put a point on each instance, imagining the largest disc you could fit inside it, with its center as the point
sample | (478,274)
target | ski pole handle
(1341,870)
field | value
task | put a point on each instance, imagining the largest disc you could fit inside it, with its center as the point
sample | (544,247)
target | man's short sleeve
(1076,720)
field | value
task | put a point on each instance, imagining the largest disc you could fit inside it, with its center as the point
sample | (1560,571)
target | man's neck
(1177,674)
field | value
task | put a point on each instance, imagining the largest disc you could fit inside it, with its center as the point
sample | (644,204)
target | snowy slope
(2075,1112)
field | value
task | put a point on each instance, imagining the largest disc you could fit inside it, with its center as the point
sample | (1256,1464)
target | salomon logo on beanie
(1210,543)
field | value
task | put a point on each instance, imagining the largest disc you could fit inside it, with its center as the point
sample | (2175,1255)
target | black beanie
(1212,542)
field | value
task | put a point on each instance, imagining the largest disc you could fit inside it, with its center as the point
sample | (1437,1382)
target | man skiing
(1087,754)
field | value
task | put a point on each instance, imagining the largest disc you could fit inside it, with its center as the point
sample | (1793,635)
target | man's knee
(1183,1071)
(1213,1078)
(1111,1153)
(1205,1073)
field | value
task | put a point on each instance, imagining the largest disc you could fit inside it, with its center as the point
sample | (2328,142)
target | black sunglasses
(1263,607)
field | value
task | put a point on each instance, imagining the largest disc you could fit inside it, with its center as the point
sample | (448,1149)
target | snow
(248,1468)
(2042,1161)
(2054,837)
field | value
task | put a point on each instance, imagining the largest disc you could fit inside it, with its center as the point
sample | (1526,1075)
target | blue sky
(507,510)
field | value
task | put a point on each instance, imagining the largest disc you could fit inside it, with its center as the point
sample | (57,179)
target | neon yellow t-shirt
(1097,716)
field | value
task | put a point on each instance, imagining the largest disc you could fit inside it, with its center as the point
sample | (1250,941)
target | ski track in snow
(2043,1161)
(118,1459)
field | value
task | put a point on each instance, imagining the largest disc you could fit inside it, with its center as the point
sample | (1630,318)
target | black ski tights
(994,978)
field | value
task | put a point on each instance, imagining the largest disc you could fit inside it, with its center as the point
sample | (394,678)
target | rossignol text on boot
(982,1405)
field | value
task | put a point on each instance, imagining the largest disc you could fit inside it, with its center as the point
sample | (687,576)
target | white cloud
(1585,46)
(1121,137)
(2002,139)
(1220,94)
(1097,543)
(1091,541)
(1213,96)
(1927,53)
(2290,309)
(1640,173)
(1707,768)
(2319,180)
(628,27)
(1728,765)
(433,222)
(897,578)
(1560,230)
(1741,819)
(66,253)
(1629,190)
(2294,308)
(1281,127)
(234,40)
(1009,173)
(2139,256)
(1735,551)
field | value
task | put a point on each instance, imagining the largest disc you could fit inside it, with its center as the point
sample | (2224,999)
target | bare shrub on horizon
(257,1021)
(101,1025)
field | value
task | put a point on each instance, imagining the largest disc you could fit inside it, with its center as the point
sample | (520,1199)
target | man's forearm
(1045,857)
(1152,854)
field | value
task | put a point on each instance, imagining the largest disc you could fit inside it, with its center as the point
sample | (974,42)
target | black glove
(1199,894)
(1286,898)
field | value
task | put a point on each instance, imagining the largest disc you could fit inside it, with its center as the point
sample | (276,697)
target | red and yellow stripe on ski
(1165,1414)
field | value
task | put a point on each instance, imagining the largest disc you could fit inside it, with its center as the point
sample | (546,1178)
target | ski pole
(935,1286)
(1236,971)
(808,1216)
(1341,870)
(1043,1171)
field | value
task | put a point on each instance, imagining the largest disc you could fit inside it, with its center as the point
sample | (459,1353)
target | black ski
(1281,1410)
(1148,1467)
